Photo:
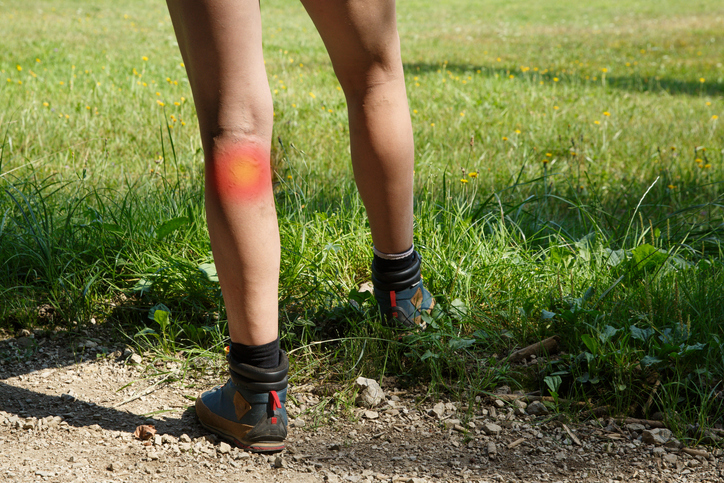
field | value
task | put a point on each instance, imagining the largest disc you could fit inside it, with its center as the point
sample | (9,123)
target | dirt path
(67,415)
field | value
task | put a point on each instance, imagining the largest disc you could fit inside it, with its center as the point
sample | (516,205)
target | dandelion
(294,105)
(549,155)
(498,59)
(289,176)
(473,174)
(698,160)
(9,79)
(708,103)
(702,80)
(46,104)
(37,60)
(463,181)
(87,107)
(604,70)
(555,108)
(160,103)
(144,58)
(144,84)
(671,187)
(555,79)
(158,93)
(20,82)
(61,83)
(511,76)
(714,117)
(596,122)
(18,67)
(432,124)
(183,99)
(462,114)
(414,111)
(606,113)
(176,103)
(311,94)
(182,64)
(545,161)
(643,51)
(707,166)
(517,131)
(505,138)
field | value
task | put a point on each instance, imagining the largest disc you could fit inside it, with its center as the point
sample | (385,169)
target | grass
(568,182)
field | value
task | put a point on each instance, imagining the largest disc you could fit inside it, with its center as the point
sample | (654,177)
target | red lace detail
(393,301)
(275,403)
(274,420)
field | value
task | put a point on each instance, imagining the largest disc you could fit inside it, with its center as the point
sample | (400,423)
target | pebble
(537,408)
(184,438)
(298,423)
(369,414)
(438,410)
(371,394)
(492,450)
(492,429)
(223,448)
(656,436)
(280,462)
(670,458)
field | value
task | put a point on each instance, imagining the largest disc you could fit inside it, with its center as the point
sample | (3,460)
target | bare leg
(220,42)
(362,41)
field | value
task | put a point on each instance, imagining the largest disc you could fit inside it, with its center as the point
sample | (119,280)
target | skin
(220,41)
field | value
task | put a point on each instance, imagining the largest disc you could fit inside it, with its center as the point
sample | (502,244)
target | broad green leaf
(545,315)
(168,227)
(142,285)
(607,333)
(648,257)
(649,360)
(209,269)
(159,310)
(590,343)
(428,355)
(641,334)
(457,344)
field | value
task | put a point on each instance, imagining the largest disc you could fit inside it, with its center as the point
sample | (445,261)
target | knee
(375,69)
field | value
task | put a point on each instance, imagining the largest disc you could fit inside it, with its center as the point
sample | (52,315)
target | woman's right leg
(220,41)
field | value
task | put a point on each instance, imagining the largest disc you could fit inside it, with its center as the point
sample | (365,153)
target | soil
(70,403)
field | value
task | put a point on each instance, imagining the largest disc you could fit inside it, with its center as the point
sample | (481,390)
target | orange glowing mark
(241,173)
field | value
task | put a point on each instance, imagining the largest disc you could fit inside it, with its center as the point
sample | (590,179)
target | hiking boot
(401,296)
(249,409)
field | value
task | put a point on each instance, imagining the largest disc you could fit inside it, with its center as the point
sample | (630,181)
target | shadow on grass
(633,83)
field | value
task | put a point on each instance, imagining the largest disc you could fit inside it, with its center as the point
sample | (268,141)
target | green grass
(593,212)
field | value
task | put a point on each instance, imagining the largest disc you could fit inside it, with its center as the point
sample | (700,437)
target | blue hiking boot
(402,297)
(249,409)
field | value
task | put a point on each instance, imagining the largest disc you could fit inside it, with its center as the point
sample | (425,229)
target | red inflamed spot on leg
(241,174)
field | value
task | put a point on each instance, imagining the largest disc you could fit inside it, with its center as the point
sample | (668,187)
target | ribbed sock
(393,262)
(265,356)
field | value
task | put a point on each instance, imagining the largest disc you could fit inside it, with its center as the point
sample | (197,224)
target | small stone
(537,408)
(168,439)
(635,427)
(658,451)
(371,394)
(502,390)
(184,446)
(112,466)
(371,414)
(298,423)
(438,410)
(335,447)
(223,448)
(656,436)
(499,403)
(280,462)
(451,423)
(89,344)
(519,403)
(673,443)
(44,474)
(135,359)
(184,438)
(492,429)
(561,455)
(492,450)
(670,458)
(157,440)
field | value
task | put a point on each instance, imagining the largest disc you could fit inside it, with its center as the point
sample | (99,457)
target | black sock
(384,265)
(265,356)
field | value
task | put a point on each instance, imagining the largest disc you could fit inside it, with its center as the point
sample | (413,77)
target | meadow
(569,163)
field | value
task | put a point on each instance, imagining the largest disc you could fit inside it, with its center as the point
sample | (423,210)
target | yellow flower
(144,84)
(144,58)
(432,124)
(708,103)
(505,138)
(714,117)
(596,122)
(473,174)
(707,166)
(511,76)
(698,160)
(548,155)
(158,93)
(545,161)
(555,79)
(606,113)
(414,111)
(311,94)
(462,114)
(46,104)
(517,131)
(604,70)
(18,67)
(463,181)
(182,64)
(61,83)
(37,60)
(555,108)
(671,187)
(176,103)
(160,103)
(87,107)
(702,80)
